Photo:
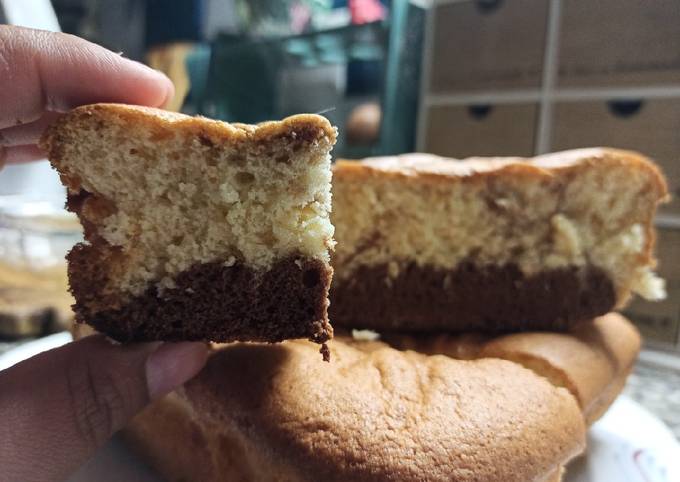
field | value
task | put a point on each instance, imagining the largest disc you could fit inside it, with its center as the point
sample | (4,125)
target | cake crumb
(325,352)
(365,335)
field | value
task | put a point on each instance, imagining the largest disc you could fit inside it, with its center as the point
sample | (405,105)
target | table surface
(657,389)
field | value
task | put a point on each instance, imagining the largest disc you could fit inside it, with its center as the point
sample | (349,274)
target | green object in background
(242,80)
(253,80)
(198,64)
(245,73)
(273,17)
(402,79)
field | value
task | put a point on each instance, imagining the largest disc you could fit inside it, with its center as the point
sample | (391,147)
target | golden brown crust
(276,413)
(172,442)
(431,168)
(592,361)
(302,125)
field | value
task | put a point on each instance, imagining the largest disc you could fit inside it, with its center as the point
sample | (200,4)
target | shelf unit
(546,97)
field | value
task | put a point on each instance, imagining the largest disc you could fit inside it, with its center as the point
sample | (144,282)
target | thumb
(58,407)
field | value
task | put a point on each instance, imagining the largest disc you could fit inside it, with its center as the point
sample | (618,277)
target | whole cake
(494,244)
(374,413)
(197,229)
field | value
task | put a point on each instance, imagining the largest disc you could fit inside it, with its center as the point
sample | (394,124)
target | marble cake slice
(428,244)
(197,229)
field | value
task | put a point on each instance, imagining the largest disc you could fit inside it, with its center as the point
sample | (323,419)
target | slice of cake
(499,244)
(197,229)
(374,414)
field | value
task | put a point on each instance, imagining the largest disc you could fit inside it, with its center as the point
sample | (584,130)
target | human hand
(44,73)
(57,408)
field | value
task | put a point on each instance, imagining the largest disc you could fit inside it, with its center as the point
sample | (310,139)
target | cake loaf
(430,244)
(197,229)
(374,414)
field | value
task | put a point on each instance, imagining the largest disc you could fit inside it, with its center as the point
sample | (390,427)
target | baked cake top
(433,167)
(377,413)
(592,360)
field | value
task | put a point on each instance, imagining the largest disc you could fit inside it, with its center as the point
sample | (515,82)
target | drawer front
(488,45)
(650,126)
(482,130)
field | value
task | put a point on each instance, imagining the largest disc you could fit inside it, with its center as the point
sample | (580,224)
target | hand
(43,73)
(57,408)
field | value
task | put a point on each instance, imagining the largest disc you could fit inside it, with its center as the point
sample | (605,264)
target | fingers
(26,134)
(172,365)
(52,71)
(59,407)
(18,154)
(19,144)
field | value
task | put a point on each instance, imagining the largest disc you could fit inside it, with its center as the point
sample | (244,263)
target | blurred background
(452,77)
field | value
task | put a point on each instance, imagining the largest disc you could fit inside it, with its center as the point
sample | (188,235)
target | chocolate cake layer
(287,301)
(492,298)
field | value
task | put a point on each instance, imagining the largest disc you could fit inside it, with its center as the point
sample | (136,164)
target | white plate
(628,444)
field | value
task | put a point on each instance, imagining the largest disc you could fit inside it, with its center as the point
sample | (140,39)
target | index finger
(53,71)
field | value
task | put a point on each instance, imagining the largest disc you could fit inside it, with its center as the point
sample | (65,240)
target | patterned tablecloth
(655,387)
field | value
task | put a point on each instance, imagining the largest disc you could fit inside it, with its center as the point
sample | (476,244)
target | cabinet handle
(479,111)
(624,107)
(488,6)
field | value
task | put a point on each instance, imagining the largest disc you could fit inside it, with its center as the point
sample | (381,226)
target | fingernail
(156,72)
(169,86)
(163,78)
(172,365)
(169,93)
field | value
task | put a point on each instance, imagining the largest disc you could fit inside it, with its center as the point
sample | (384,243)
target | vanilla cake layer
(197,229)
(501,243)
